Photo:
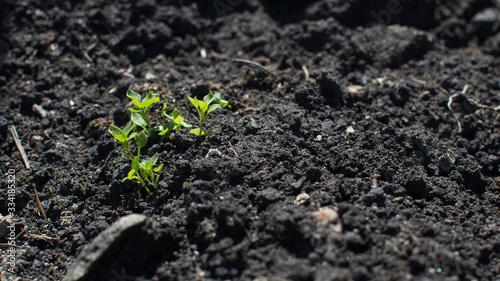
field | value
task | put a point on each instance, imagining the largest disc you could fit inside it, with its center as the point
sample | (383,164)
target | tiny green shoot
(123,136)
(176,124)
(140,110)
(144,172)
(204,108)
(84,188)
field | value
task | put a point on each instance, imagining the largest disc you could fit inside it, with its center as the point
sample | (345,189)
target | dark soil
(359,121)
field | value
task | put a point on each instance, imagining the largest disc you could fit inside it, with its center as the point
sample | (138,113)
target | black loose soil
(360,118)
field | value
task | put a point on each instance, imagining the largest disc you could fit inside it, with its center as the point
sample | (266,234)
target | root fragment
(474,102)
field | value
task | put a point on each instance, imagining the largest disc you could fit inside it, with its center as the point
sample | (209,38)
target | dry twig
(86,53)
(38,203)
(20,146)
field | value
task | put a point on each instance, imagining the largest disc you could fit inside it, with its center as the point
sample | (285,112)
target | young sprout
(123,136)
(176,124)
(140,110)
(204,108)
(84,188)
(144,172)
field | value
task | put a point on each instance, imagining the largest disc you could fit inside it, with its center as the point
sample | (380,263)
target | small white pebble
(350,130)
(354,89)
(150,76)
(203,53)
(302,198)
(36,138)
(39,110)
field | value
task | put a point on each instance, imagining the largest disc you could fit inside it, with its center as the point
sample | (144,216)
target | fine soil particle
(363,146)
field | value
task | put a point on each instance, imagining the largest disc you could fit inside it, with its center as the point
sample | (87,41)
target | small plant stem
(125,145)
(201,127)
(146,118)
(140,179)
(130,154)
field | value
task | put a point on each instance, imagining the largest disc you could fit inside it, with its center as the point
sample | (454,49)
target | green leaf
(213,107)
(158,169)
(150,95)
(153,130)
(115,131)
(135,97)
(175,114)
(207,133)
(196,131)
(137,105)
(208,99)
(143,174)
(178,120)
(141,140)
(122,139)
(203,106)
(149,102)
(194,102)
(138,120)
(135,110)
(135,164)
(167,129)
(130,126)
(224,103)
(149,166)
(186,125)
(154,158)
(217,97)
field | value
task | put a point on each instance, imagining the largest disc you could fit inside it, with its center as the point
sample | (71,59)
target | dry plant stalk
(20,146)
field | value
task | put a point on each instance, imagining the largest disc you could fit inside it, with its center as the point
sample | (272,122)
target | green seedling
(84,188)
(176,124)
(140,110)
(204,108)
(144,172)
(124,136)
